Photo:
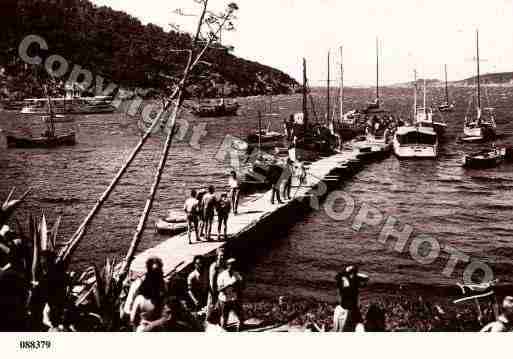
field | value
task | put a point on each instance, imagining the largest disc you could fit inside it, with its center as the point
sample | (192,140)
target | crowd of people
(213,293)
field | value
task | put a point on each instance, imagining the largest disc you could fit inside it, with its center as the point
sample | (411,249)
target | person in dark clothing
(349,283)
(286,177)
(375,319)
(275,172)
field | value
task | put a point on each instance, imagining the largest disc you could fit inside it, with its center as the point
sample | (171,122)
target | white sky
(421,34)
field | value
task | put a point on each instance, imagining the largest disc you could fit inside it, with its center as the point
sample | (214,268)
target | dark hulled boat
(41,142)
(484,159)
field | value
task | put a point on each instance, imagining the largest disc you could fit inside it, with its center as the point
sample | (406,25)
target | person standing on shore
(233,182)
(223,211)
(230,287)
(213,273)
(347,313)
(209,204)
(191,210)
(197,285)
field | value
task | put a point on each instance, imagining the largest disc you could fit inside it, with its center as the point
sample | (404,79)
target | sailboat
(48,139)
(424,115)
(481,127)
(418,140)
(445,106)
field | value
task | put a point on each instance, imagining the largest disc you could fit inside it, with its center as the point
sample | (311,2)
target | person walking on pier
(223,211)
(347,313)
(274,176)
(230,287)
(197,285)
(286,177)
(209,204)
(191,210)
(233,182)
(213,273)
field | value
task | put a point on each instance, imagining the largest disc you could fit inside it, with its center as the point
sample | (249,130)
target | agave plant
(103,288)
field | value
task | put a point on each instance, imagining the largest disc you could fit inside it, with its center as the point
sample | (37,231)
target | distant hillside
(502,78)
(420,83)
(119,48)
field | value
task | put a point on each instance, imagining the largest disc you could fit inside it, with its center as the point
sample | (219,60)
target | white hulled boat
(481,126)
(415,142)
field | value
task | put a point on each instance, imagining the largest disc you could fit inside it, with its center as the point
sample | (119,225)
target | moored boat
(415,142)
(41,142)
(485,158)
(482,127)
(219,109)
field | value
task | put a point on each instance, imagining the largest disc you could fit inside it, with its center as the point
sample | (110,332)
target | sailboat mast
(414,94)
(478,78)
(328,94)
(259,131)
(446,89)
(305,98)
(377,71)
(424,103)
(341,84)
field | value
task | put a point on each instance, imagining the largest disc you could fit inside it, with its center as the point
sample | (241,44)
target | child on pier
(223,210)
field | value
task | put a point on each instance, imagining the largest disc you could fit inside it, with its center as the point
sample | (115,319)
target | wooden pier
(176,252)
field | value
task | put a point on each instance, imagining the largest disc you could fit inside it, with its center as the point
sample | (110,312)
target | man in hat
(230,287)
(347,313)
(504,322)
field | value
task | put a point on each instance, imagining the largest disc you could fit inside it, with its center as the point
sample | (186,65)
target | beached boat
(446,106)
(480,127)
(485,158)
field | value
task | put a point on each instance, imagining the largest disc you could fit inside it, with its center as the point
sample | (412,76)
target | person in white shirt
(215,269)
(504,322)
(191,210)
(230,285)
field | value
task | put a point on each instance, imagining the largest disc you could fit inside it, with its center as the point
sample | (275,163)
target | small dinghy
(174,223)
(485,159)
(170,228)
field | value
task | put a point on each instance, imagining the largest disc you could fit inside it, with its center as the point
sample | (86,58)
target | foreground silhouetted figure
(504,322)
(347,313)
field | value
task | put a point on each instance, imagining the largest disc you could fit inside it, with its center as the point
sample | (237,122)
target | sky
(413,34)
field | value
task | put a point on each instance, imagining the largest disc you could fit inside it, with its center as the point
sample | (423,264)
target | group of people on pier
(201,207)
(212,293)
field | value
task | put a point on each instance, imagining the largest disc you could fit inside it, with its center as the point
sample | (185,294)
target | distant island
(122,50)
(495,79)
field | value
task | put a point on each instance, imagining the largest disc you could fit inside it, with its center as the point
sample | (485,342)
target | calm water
(468,209)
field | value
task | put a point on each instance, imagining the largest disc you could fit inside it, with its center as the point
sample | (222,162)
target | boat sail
(446,106)
(482,126)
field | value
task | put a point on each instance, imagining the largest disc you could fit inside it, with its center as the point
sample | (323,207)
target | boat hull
(415,151)
(41,142)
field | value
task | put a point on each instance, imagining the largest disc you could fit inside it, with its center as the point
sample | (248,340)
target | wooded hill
(121,49)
